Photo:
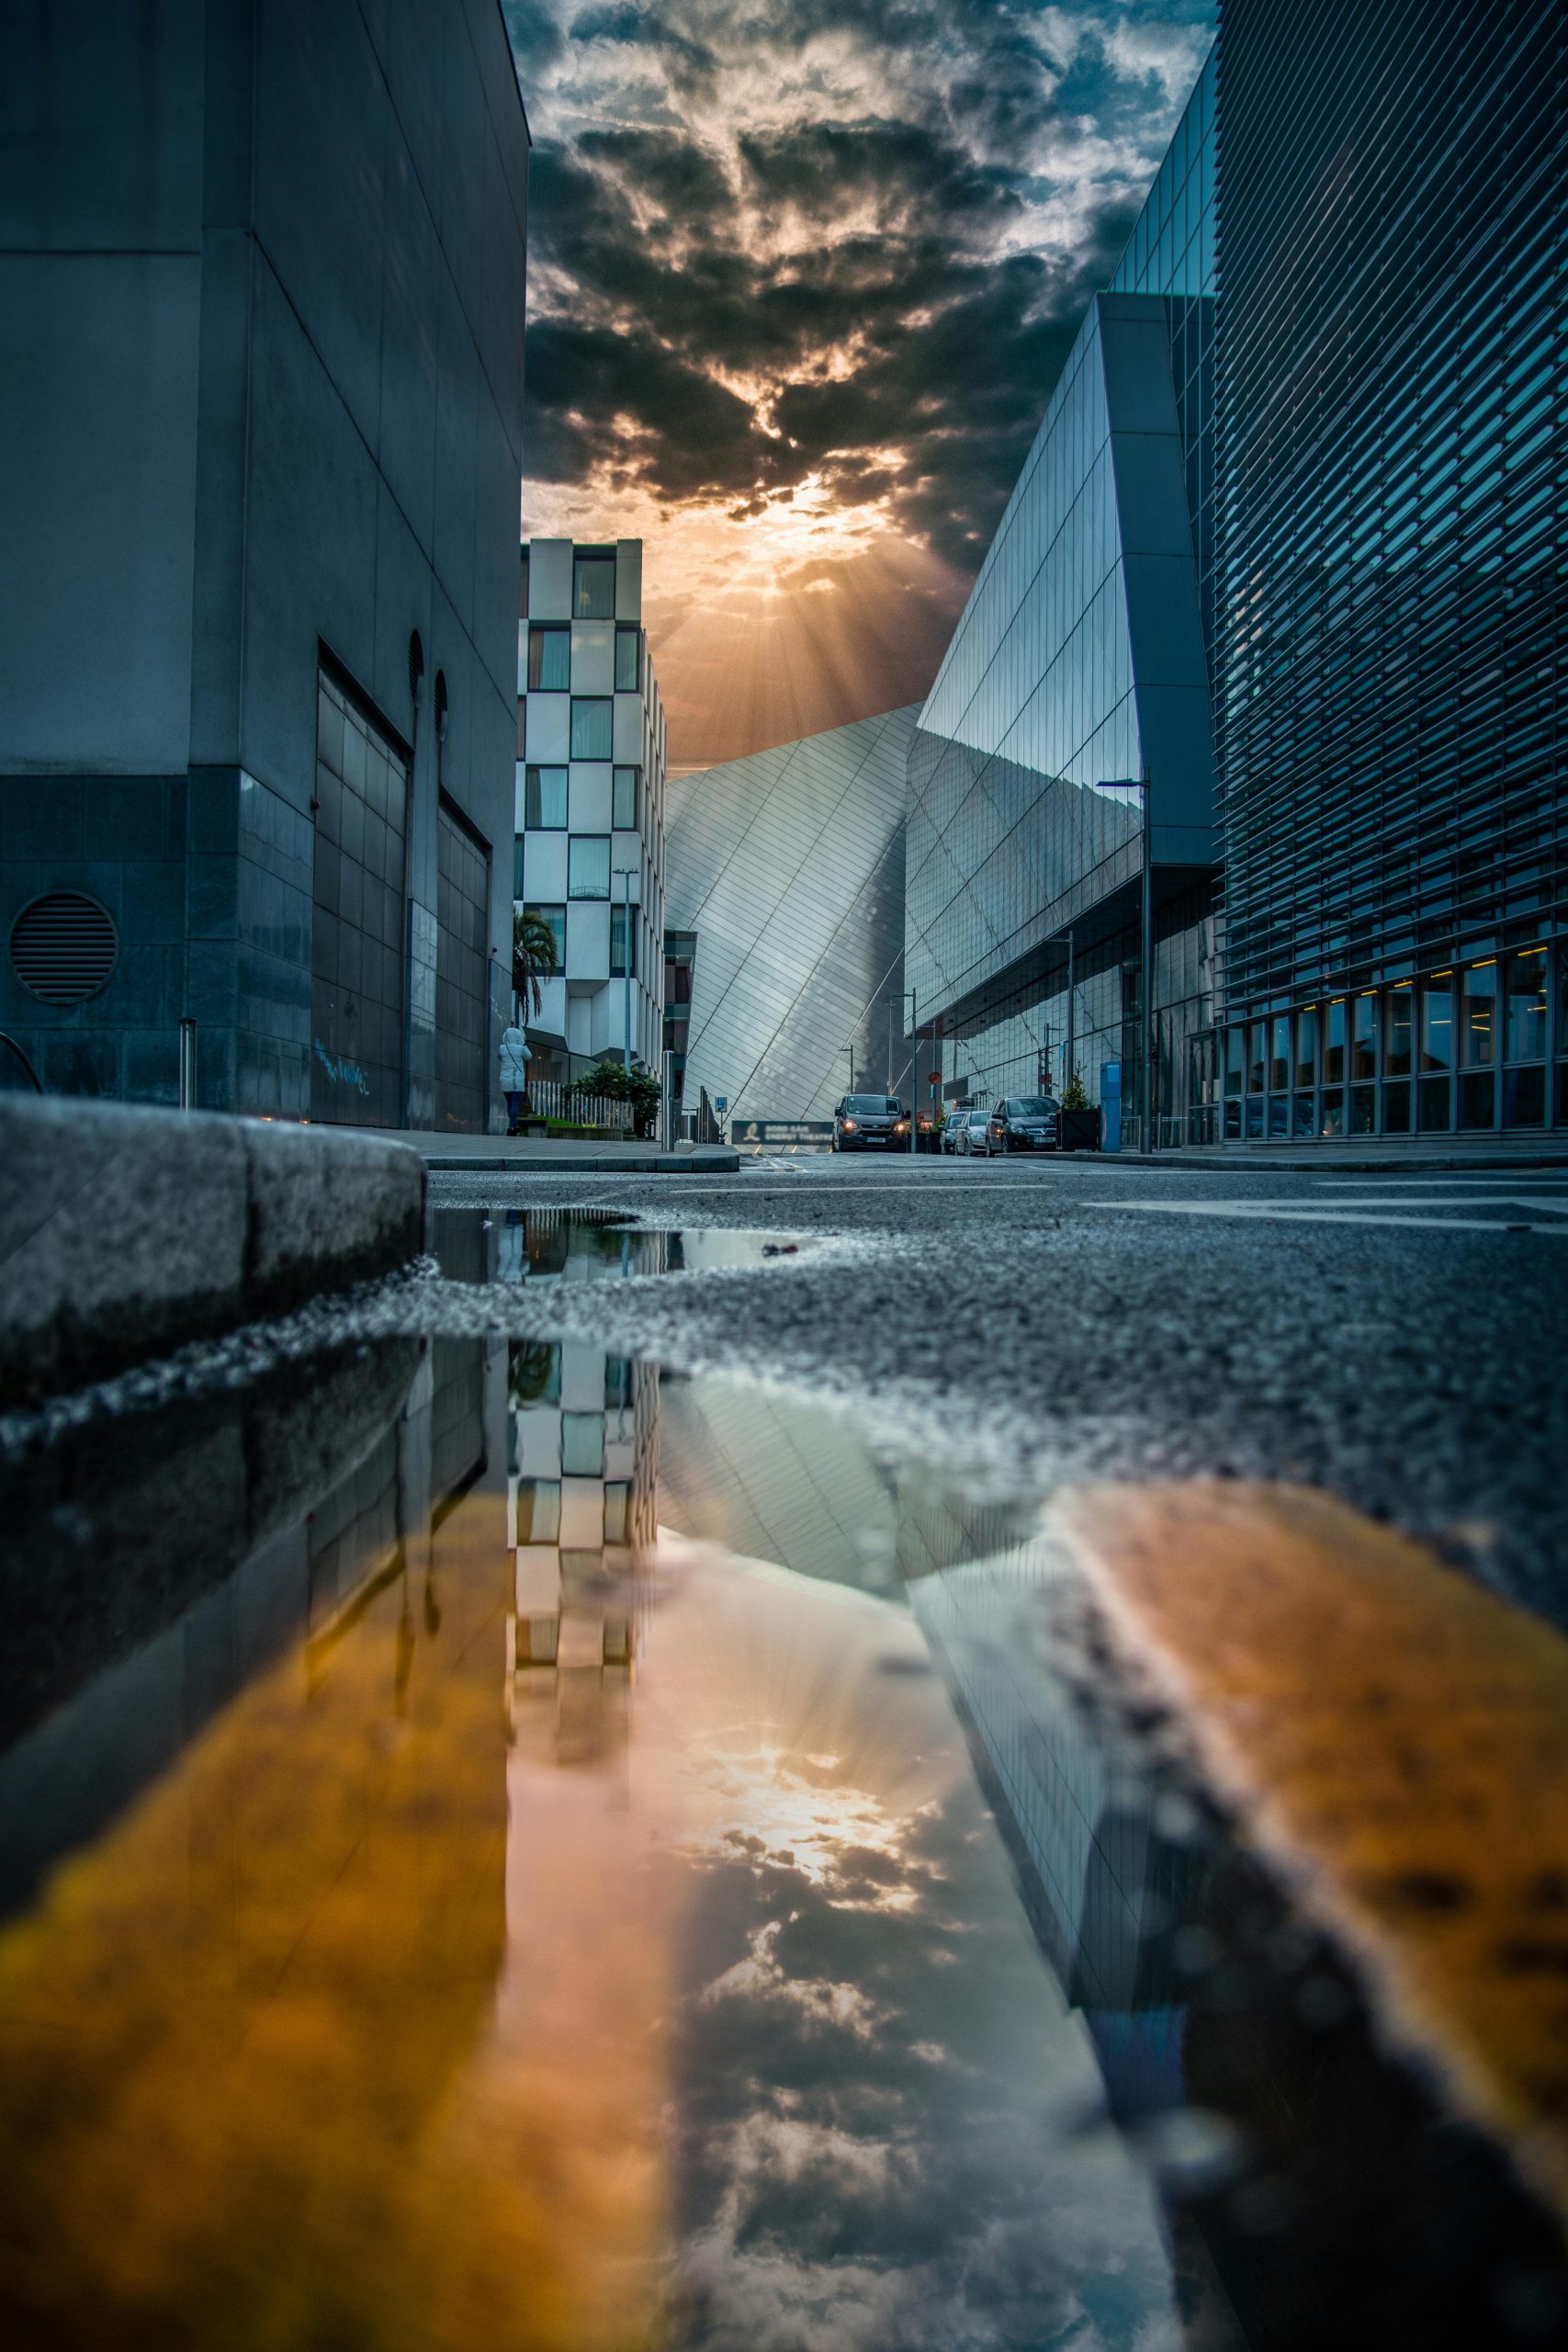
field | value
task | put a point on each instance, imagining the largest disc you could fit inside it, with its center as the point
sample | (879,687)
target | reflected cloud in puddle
(597,1861)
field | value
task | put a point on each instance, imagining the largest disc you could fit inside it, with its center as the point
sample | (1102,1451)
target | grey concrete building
(263,269)
(788,869)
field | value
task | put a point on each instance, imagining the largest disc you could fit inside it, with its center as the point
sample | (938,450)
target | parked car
(870,1121)
(953,1127)
(1023,1123)
(972,1133)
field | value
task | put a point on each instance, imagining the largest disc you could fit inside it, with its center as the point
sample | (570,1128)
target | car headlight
(900,1126)
(849,1127)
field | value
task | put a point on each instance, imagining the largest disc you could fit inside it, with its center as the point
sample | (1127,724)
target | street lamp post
(1140,785)
(1146,913)
(627,871)
(914,1068)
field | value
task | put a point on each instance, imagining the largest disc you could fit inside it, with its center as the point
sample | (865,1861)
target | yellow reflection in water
(256,2090)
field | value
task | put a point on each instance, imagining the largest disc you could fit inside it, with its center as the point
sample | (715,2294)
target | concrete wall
(271,398)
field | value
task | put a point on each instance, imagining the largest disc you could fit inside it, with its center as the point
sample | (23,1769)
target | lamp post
(1146,913)
(628,871)
(914,1068)
(851,1051)
(1140,785)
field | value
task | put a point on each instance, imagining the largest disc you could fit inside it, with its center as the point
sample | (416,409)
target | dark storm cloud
(874,2071)
(819,258)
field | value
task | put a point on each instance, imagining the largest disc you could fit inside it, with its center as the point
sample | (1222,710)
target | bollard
(188,1064)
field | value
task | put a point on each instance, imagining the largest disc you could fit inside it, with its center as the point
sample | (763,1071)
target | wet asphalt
(1396,1341)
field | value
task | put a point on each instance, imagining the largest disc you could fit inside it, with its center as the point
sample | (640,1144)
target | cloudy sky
(801,273)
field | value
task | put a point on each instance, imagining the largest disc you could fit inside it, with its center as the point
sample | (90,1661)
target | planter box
(1078,1130)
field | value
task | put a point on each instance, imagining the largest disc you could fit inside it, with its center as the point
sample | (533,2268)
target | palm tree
(533,956)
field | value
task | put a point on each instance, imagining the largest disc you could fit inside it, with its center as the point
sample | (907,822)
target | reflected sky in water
(529,1854)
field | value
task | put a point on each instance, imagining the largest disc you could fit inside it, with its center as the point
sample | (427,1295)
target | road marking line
(1395,1738)
(1286,1213)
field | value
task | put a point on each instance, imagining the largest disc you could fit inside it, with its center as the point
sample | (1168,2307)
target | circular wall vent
(63,947)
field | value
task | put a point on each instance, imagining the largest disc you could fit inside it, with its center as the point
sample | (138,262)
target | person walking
(514,1060)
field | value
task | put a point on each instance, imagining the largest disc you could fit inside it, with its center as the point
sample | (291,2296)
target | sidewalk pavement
(1376,1156)
(557,1155)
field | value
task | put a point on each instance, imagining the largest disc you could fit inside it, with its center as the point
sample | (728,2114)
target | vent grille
(63,947)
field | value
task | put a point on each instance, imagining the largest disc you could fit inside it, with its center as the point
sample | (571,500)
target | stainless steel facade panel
(789,867)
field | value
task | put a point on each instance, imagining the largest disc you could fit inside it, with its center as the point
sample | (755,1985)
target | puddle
(589,1245)
(499,1849)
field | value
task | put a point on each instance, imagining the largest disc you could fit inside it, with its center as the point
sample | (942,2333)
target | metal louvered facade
(789,867)
(1392,565)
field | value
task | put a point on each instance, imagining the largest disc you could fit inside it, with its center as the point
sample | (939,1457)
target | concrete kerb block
(124,1232)
(325,1208)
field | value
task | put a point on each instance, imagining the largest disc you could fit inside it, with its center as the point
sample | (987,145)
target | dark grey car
(1023,1123)
(870,1123)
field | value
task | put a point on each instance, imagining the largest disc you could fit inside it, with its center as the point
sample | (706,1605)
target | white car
(971,1136)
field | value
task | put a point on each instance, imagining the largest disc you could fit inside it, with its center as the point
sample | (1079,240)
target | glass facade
(1391,372)
(1078,674)
(787,873)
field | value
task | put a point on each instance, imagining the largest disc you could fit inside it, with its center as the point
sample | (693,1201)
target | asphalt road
(1395,1340)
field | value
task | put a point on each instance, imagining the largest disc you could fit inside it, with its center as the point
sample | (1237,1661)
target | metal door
(462,974)
(357,962)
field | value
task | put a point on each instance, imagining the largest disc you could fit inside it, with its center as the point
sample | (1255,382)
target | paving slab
(557,1155)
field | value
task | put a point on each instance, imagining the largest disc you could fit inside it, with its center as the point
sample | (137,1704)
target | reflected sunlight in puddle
(517,1877)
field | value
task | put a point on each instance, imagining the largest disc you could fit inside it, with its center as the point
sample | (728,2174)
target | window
(627,664)
(555,918)
(594,584)
(523,598)
(618,940)
(1399,1028)
(1478,1022)
(591,727)
(538,1510)
(588,867)
(1333,1053)
(1525,985)
(1255,1058)
(624,816)
(1436,1027)
(517,866)
(1236,1056)
(543,800)
(1524,1097)
(582,1445)
(1279,1051)
(549,661)
(1363,1045)
(1306,1046)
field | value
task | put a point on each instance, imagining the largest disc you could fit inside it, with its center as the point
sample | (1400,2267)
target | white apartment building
(590,768)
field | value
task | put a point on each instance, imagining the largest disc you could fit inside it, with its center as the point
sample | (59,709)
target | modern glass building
(1353,271)
(1061,796)
(786,892)
(1392,372)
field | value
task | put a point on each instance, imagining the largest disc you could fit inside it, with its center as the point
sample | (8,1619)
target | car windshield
(978,1118)
(859,1106)
(1031,1106)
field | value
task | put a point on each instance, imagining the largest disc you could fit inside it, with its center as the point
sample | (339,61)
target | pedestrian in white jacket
(514,1060)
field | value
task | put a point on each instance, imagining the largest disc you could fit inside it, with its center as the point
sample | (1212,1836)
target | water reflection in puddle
(589,1245)
(514,1871)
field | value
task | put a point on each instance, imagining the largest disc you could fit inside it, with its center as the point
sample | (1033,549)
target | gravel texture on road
(1025,1317)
